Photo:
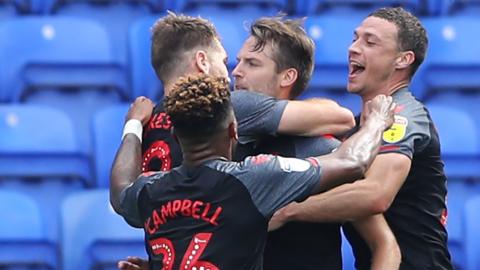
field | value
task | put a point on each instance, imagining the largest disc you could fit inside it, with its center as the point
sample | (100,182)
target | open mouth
(355,68)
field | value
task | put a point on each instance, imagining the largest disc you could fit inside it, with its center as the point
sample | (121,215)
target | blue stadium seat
(348,7)
(452,61)
(457,7)
(348,259)
(472,233)
(14,7)
(38,141)
(23,242)
(185,5)
(66,63)
(459,192)
(332,37)
(466,101)
(55,6)
(93,235)
(39,156)
(461,154)
(107,132)
(143,77)
(56,52)
(115,16)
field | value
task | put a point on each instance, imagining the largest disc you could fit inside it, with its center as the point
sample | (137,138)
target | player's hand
(381,108)
(280,218)
(141,109)
(133,263)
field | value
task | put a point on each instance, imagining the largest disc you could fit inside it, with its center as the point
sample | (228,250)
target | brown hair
(292,47)
(198,105)
(173,35)
(411,35)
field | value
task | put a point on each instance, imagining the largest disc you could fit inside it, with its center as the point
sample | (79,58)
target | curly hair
(411,35)
(198,105)
(172,36)
(292,47)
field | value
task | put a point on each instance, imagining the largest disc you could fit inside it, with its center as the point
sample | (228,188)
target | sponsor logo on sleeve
(397,131)
(293,164)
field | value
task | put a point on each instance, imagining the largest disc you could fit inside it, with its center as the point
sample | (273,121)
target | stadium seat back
(143,77)
(37,142)
(93,235)
(185,5)
(361,7)
(22,234)
(332,37)
(452,62)
(61,52)
(461,156)
(107,132)
(472,233)
(348,259)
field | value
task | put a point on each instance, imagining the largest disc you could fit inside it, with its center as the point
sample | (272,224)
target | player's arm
(260,115)
(372,195)
(381,241)
(127,164)
(315,117)
(354,156)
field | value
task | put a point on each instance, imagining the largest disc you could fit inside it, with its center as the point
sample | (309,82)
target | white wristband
(133,126)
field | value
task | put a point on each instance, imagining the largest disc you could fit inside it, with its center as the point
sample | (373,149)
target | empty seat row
(71,53)
(39,142)
(299,7)
(93,236)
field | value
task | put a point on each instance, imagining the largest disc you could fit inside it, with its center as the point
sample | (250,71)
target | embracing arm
(381,241)
(315,117)
(354,156)
(372,195)
(126,168)
(127,164)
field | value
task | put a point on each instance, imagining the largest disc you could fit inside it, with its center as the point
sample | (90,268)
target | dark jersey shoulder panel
(410,132)
(257,115)
(418,212)
(302,245)
(204,203)
(272,181)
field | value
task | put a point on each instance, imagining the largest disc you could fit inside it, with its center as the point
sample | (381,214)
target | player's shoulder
(408,107)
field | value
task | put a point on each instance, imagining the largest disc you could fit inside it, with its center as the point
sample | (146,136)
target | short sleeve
(257,114)
(274,181)
(409,133)
(129,201)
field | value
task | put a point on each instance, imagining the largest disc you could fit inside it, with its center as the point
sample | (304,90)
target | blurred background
(69,68)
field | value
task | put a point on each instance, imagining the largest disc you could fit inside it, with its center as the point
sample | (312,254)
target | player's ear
(201,62)
(405,59)
(232,130)
(288,77)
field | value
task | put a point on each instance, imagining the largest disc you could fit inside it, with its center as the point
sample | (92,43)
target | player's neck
(387,90)
(196,153)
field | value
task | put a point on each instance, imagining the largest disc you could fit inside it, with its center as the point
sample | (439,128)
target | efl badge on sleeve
(397,130)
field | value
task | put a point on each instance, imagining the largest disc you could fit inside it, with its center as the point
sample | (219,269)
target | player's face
(256,70)
(218,61)
(372,56)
